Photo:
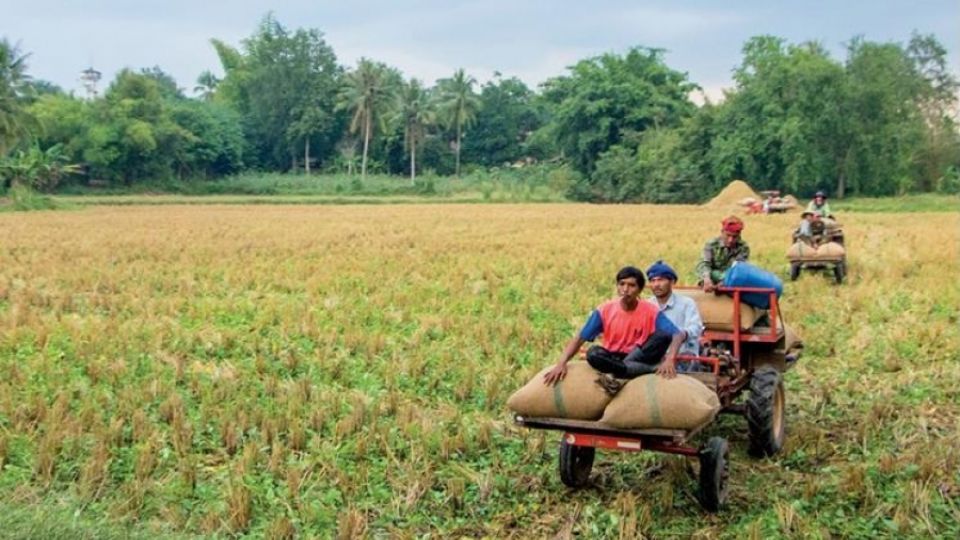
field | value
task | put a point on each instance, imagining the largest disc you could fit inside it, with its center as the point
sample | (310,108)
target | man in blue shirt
(681,310)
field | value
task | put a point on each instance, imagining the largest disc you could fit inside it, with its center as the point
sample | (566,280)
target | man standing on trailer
(637,338)
(720,253)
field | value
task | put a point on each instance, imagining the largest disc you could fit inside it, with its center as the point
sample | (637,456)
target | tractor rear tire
(576,462)
(714,473)
(839,272)
(766,407)
(795,270)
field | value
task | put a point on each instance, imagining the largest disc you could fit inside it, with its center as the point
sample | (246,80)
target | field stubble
(290,371)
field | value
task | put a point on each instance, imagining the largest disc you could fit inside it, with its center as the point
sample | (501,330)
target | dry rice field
(321,371)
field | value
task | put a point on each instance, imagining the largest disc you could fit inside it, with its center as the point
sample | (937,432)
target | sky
(429,39)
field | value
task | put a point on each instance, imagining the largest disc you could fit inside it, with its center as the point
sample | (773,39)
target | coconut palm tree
(15,122)
(416,114)
(459,105)
(369,94)
(206,85)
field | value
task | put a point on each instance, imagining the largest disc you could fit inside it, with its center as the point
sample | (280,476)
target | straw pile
(731,195)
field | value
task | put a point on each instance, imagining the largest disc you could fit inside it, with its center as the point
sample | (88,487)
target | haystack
(731,195)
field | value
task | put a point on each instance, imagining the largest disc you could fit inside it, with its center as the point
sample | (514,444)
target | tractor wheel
(714,472)
(766,412)
(575,464)
(795,270)
(839,272)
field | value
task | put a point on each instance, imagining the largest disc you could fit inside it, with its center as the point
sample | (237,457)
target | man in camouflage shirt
(720,253)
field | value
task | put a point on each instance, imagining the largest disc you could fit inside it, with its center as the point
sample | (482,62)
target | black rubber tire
(795,270)
(766,412)
(839,272)
(714,473)
(576,462)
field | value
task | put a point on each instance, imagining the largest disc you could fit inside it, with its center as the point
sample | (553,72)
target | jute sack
(652,401)
(716,311)
(791,339)
(801,250)
(577,396)
(830,250)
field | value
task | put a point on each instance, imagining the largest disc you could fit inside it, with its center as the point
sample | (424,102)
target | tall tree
(459,105)
(416,114)
(284,84)
(508,115)
(604,99)
(15,122)
(206,85)
(369,94)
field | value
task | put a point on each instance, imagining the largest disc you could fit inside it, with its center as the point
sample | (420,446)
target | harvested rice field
(342,371)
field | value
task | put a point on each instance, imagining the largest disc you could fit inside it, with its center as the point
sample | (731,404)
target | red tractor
(747,369)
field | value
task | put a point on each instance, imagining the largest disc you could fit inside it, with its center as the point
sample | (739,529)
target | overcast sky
(429,39)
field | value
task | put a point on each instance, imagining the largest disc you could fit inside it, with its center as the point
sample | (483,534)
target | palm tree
(14,85)
(416,114)
(206,84)
(370,93)
(459,104)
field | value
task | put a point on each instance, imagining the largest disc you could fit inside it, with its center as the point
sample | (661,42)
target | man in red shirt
(636,336)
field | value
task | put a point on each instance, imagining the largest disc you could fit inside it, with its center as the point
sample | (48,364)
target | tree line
(883,121)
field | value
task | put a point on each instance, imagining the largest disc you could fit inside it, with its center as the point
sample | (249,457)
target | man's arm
(744,252)
(704,267)
(668,366)
(590,331)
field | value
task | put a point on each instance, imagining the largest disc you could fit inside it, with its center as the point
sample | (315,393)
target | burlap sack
(830,251)
(801,250)
(652,401)
(716,311)
(791,339)
(577,396)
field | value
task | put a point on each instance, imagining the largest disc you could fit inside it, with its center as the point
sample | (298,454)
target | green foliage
(458,105)
(15,89)
(508,113)
(605,98)
(369,94)
(37,169)
(881,122)
(22,198)
(284,85)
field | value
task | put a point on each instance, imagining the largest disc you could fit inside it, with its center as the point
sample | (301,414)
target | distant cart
(753,360)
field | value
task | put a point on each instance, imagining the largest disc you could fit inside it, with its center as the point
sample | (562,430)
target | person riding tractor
(820,205)
(720,253)
(811,229)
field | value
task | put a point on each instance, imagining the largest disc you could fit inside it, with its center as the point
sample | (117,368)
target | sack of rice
(830,250)
(716,311)
(791,339)
(652,401)
(801,250)
(577,396)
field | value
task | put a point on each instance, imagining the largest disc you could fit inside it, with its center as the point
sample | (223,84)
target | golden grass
(315,371)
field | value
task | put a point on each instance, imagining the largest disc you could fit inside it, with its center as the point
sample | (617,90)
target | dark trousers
(641,360)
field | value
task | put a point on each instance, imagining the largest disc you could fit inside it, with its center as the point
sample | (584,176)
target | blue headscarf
(661,269)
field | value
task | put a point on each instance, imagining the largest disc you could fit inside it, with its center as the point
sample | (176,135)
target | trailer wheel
(714,472)
(576,463)
(839,271)
(795,270)
(765,412)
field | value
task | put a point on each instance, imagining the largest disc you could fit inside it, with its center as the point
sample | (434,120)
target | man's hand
(556,374)
(668,368)
(708,285)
